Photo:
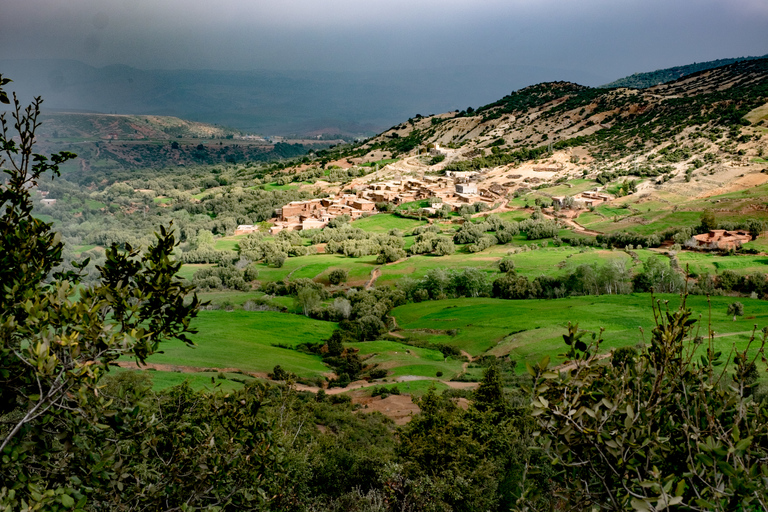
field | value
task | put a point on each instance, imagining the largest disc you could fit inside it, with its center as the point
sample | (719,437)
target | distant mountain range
(660,76)
(270,102)
(292,103)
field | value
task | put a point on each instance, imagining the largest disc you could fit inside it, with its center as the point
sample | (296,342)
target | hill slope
(698,136)
(65,125)
(112,142)
(660,76)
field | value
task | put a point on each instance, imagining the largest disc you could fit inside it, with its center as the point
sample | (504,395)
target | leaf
(742,445)
(640,505)
(530,369)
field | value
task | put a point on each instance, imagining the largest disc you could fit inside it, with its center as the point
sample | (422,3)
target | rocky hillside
(703,131)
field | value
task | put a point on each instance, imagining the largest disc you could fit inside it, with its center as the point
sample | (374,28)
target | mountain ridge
(647,79)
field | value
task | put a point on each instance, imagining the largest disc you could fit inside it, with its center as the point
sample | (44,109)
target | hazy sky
(607,38)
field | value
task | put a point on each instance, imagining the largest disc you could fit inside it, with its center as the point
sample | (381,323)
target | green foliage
(59,338)
(735,309)
(338,276)
(662,429)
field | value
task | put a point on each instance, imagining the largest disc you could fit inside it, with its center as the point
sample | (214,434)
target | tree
(662,429)
(338,276)
(58,337)
(735,309)
(308,299)
(708,222)
(506,265)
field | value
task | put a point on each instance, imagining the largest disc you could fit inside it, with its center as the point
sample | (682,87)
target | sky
(605,39)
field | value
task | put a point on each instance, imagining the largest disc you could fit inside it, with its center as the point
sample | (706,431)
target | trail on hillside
(466,363)
(375,274)
(578,228)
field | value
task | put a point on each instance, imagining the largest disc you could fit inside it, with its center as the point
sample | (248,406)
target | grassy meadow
(527,330)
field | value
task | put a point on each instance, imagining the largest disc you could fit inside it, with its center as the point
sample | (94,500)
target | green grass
(577,186)
(383,222)
(514,216)
(228,243)
(83,248)
(404,360)
(529,329)
(245,340)
(188,269)
(380,162)
(759,244)
(94,205)
(423,203)
(275,186)
(316,264)
(420,387)
(699,262)
(198,381)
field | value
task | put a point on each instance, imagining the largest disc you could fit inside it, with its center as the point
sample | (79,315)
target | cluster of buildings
(455,189)
(584,199)
(317,213)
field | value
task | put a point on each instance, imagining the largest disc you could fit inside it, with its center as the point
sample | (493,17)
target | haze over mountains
(292,102)
(271,102)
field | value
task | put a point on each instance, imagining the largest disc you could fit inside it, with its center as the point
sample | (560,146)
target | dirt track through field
(300,387)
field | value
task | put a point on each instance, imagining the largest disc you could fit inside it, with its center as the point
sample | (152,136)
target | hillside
(695,136)
(117,143)
(660,76)
(91,126)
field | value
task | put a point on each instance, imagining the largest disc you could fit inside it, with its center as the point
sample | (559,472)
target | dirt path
(186,369)
(466,363)
(581,229)
(360,384)
(375,274)
(573,224)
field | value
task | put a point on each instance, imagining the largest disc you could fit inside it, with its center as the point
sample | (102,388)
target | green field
(228,243)
(208,381)
(246,340)
(403,360)
(384,222)
(526,330)
(713,263)
(381,163)
(529,329)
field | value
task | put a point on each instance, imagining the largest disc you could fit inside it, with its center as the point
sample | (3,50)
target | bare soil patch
(400,408)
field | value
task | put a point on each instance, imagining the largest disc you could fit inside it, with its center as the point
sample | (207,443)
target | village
(447,192)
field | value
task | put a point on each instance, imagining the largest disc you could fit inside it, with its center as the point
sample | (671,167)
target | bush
(338,276)
(506,265)
(663,431)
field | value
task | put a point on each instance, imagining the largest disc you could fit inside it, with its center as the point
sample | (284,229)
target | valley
(439,317)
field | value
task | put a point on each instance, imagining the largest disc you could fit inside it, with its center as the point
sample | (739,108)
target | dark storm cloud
(607,39)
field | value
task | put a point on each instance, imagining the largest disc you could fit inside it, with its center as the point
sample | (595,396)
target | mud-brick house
(720,239)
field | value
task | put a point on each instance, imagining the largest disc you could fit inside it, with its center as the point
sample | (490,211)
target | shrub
(338,276)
